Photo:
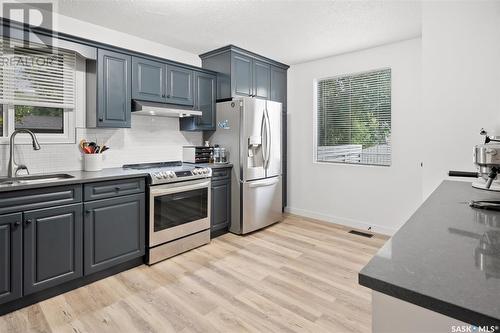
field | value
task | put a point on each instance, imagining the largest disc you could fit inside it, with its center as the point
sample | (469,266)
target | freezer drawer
(261,203)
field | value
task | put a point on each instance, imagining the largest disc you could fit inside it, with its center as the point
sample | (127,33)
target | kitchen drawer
(221,173)
(17,201)
(113,188)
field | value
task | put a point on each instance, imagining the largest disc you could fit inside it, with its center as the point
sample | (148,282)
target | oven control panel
(169,175)
(202,171)
(164,175)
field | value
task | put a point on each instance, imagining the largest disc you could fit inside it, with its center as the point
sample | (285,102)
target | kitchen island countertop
(446,258)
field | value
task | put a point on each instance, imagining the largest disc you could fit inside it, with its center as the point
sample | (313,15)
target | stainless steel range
(179,207)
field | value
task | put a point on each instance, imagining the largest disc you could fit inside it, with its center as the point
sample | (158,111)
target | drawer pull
(117,188)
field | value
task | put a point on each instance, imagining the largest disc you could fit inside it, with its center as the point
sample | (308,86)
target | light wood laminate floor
(295,276)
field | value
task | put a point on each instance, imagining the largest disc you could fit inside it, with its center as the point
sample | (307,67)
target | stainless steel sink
(34,179)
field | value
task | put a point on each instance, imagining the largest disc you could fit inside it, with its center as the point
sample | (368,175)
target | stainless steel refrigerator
(250,129)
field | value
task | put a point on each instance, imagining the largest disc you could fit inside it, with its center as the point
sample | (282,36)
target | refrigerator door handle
(268,138)
(263,135)
(269,182)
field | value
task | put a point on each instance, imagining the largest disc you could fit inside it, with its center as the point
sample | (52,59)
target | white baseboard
(343,221)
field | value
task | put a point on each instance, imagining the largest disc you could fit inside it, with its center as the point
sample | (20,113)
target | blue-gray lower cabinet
(11,237)
(53,247)
(221,201)
(114,231)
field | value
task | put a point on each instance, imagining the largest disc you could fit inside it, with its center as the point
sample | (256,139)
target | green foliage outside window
(355,109)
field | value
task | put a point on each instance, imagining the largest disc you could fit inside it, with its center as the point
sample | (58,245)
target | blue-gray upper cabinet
(148,80)
(180,85)
(241,73)
(205,97)
(261,79)
(162,82)
(250,77)
(278,85)
(53,247)
(242,78)
(109,90)
(11,240)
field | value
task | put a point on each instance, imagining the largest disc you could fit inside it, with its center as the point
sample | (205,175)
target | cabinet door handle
(117,189)
(88,211)
(28,221)
(168,96)
(100,119)
(163,95)
(17,223)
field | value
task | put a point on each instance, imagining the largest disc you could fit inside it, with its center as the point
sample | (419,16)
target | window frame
(68,135)
(315,121)
(73,118)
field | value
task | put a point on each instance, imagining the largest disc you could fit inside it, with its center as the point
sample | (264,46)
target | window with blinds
(36,76)
(354,118)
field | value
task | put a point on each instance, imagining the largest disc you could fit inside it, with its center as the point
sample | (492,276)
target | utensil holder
(92,162)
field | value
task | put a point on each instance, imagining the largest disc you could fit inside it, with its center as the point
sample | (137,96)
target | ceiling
(290,31)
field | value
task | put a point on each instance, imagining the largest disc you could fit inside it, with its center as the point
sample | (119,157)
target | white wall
(460,94)
(94,32)
(461,83)
(360,196)
(150,138)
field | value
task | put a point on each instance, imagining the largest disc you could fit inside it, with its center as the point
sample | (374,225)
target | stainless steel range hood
(161,110)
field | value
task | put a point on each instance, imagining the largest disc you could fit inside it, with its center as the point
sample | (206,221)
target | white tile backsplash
(150,139)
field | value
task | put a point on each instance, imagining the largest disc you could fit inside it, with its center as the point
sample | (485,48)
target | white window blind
(36,76)
(354,118)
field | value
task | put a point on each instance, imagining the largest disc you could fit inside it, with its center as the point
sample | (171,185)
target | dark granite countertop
(79,177)
(446,258)
(213,165)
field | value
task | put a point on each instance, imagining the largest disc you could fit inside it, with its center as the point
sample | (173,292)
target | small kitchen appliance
(179,207)
(196,154)
(486,157)
(220,155)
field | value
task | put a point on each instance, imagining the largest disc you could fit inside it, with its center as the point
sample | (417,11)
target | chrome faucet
(13,167)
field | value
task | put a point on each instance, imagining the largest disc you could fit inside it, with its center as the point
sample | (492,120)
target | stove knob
(157,175)
(171,174)
(164,175)
(195,171)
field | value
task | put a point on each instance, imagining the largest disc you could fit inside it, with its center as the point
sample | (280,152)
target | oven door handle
(155,192)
